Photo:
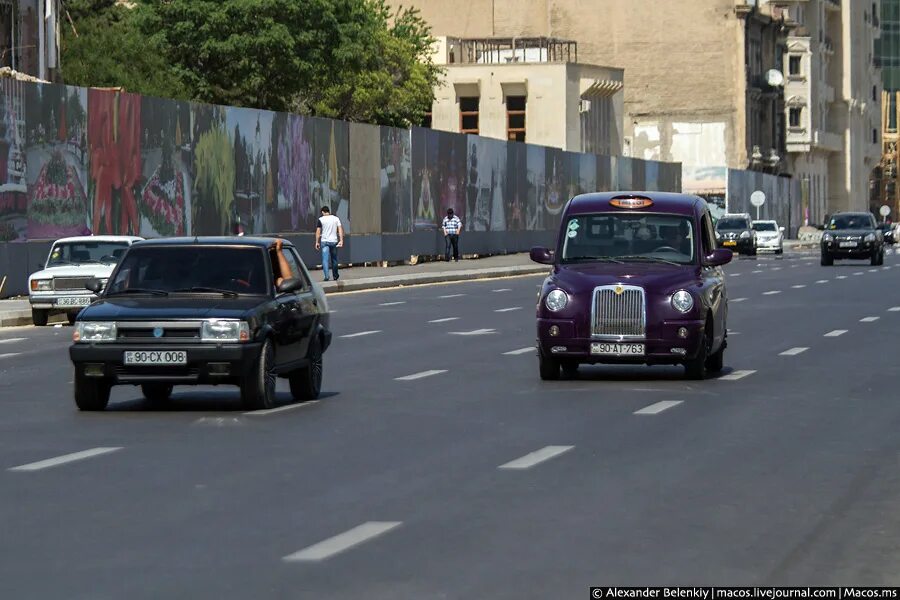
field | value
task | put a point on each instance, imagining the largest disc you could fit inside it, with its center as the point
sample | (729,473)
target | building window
(468,114)
(794,65)
(515,118)
(794,117)
(874,136)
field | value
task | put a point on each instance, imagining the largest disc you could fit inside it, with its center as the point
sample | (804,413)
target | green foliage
(110,51)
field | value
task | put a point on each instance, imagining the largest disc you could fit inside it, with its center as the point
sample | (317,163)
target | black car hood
(152,308)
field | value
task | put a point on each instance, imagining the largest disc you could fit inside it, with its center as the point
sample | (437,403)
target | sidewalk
(16,311)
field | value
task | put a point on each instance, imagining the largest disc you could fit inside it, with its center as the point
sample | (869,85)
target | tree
(108,50)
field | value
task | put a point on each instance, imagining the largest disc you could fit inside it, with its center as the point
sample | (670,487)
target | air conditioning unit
(584,106)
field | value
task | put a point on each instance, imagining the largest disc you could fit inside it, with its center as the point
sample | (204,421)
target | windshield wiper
(211,290)
(651,259)
(597,258)
(139,291)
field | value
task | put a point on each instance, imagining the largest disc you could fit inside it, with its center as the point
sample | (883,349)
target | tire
(306,383)
(549,367)
(40,317)
(780,251)
(752,251)
(827,260)
(71,316)
(873,261)
(695,368)
(258,386)
(91,394)
(157,393)
(716,362)
(569,369)
(881,257)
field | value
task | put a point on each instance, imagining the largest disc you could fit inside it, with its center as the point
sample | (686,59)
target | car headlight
(41,285)
(718,236)
(745,234)
(682,301)
(870,237)
(94,331)
(827,237)
(215,330)
(556,300)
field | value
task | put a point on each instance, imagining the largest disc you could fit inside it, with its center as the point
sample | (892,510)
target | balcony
(512,50)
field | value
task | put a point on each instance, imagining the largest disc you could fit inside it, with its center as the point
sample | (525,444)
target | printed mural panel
(13,181)
(485,184)
(424,179)
(537,187)
(396,180)
(516,190)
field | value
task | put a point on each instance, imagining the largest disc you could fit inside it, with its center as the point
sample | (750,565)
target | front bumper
(862,250)
(742,245)
(769,244)
(52,301)
(659,344)
(207,364)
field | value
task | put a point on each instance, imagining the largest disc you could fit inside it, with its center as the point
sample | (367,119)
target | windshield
(851,222)
(732,223)
(76,253)
(765,227)
(180,268)
(629,237)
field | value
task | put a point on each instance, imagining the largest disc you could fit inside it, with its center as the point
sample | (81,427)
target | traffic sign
(757,199)
(885,210)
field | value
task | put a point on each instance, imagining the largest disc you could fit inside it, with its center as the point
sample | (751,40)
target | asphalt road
(438,465)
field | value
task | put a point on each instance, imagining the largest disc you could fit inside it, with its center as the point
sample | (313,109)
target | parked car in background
(72,262)
(887,231)
(734,231)
(852,235)
(769,236)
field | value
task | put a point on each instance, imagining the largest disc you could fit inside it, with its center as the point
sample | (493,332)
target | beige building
(833,95)
(532,90)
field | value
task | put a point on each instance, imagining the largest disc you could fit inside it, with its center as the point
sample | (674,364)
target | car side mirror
(541,255)
(94,285)
(290,285)
(719,257)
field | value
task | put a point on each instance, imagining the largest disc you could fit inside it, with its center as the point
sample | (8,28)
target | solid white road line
(799,286)
(894,309)
(12,340)
(343,541)
(835,333)
(869,319)
(510,309)
(360,334)
(536,457)
(655,409)
(771,292)
(392,303)
(65,458)
(269,411)
(445,320)
(520,351)
(739,300)
(420,375)
(793,352)
(9,354)
(501,290)
(451,296)
(473,332)
(735,375)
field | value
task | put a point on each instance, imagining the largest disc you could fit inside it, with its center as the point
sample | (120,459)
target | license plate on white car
(155,357)
(848,244)
(75,301)
(617,349)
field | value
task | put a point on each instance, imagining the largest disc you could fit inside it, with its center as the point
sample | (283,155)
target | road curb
(19,318)
(393,281)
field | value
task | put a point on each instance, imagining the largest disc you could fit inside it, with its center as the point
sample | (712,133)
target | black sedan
(852,235)
(190,311)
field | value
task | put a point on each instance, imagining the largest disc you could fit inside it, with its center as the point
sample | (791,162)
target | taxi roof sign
(631,202)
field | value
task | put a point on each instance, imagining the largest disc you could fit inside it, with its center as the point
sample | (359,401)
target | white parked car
(769,236)
(72,262)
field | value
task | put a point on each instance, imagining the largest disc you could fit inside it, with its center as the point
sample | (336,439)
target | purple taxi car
(636,279)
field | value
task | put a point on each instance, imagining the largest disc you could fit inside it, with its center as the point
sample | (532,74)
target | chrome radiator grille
(70,283)
(621,315)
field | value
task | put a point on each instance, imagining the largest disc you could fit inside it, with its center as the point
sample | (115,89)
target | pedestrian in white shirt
(451,226)
(329,237)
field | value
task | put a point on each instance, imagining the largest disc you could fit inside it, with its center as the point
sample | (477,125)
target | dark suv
(736,233)
(188,311)
(852,235)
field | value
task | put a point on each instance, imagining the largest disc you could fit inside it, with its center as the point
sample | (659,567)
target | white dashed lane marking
(771,292)
(64,459)
(655,409)
(12,340)
(520,351)
(392,303)
(873,270)
(869,319)
(451,296)
(341,542)
(474,332)
(734,274)
(756,271)
(859,273)
(421,375)
(799,286)
(822,281)
(841,277)
(735,375)
(510,309)
(444,320)
(793,351)
(894,309)
(361,333)
(739,300)
(836,333)
(501,290)
(9,354)
(536,457)
(286,407)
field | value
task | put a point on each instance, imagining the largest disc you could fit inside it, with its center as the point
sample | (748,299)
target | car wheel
(752,251)
(696,367)
(881,257)
(549,367)
(258,386)
(157,393)
(716,362)
(874,259)
(779,251)
(569,369)
(827,260)
(72,316)
(91,394)
(39,316)
(306,383)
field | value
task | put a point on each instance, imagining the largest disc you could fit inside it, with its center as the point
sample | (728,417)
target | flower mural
(294,169)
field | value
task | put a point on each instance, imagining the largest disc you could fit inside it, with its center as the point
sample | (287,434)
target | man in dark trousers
(451,226)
